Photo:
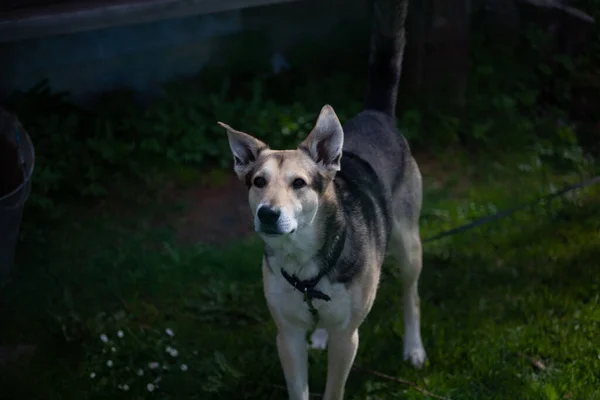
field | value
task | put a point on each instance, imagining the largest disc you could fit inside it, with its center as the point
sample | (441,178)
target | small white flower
(158,379)
(114,350)
(104,338)
(169,332)
(125,387)
(173,352)
(92,375)
(150,387)
(183,367)
(140,372)
(109,363)
(153,365)
(120,333)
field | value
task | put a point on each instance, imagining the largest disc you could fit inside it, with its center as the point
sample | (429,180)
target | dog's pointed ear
(245,150)
(325,142)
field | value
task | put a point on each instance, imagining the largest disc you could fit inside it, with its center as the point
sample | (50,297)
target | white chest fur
(288,307)
(296,255)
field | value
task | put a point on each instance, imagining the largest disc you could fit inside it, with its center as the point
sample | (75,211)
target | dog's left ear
(325,142)
(245,150)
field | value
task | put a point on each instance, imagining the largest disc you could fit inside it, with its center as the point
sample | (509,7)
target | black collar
(307,287)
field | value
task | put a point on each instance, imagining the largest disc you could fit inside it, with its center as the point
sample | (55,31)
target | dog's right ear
(325,142)
(245,150)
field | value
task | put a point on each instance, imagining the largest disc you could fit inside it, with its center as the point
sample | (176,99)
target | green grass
(495,301)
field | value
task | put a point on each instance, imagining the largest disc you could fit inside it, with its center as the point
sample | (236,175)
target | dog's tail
(387,49)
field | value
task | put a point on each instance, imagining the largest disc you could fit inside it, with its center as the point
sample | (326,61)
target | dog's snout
(268,215)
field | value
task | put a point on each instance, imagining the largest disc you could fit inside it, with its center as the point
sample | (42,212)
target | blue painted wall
(141,56)
(135,56)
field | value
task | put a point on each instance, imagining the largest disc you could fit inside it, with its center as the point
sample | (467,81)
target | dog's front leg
(293,354)
(342,350)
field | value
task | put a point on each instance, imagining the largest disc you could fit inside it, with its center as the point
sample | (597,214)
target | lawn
(510,310)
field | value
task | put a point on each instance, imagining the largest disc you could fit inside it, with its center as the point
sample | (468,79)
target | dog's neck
(312,247)
(295,253)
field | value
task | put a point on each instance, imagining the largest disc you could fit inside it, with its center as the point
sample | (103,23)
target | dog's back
(372,134)
(374,149)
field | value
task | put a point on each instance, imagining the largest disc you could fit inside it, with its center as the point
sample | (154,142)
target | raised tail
(387,49)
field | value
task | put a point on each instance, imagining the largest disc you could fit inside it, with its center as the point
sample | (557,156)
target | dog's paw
(416,355)
(318,339)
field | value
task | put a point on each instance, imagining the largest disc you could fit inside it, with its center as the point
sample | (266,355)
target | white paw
(318,339)
(416,355)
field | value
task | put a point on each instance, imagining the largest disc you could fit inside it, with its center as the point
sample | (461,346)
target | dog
(327,212)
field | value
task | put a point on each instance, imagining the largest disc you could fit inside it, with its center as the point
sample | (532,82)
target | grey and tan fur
(330,208)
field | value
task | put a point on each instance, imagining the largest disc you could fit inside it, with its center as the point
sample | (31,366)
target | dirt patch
(219,213)
(439,174)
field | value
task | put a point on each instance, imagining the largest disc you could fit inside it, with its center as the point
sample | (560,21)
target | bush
(81,153)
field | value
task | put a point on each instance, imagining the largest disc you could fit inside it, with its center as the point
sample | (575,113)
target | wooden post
(437,51)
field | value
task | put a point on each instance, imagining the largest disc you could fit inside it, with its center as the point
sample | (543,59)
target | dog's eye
(298,183)
(260,182)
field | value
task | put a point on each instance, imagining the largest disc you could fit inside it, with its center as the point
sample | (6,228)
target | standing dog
(327,211)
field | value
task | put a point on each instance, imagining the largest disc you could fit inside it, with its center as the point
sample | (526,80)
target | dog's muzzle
(271,222)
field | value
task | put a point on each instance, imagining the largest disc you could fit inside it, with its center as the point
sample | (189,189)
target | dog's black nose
(268,215)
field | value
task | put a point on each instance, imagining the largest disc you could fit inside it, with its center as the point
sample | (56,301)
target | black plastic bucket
(17,159)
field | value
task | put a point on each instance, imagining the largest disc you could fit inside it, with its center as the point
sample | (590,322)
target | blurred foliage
(523,95)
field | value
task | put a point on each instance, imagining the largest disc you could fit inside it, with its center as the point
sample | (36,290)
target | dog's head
(285,187)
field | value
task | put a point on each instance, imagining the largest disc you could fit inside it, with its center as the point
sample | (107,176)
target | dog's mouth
(273,232)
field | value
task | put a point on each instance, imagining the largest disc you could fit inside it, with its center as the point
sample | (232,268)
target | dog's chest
(289,308)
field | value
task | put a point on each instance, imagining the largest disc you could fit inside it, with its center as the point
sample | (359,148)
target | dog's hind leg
(318,339)
(406,247)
